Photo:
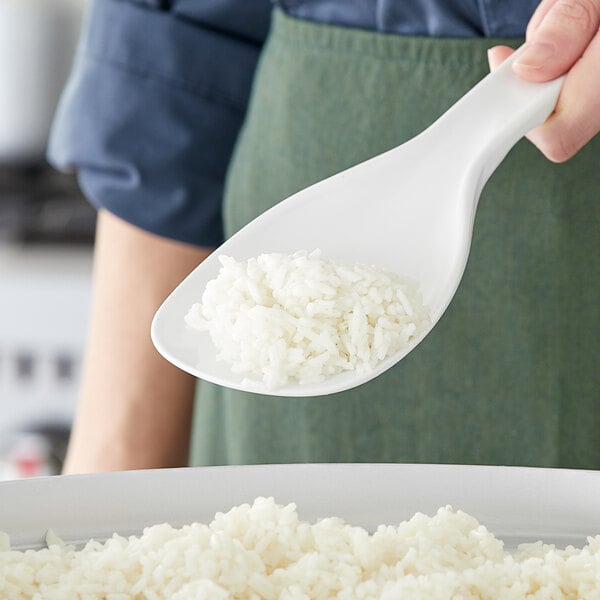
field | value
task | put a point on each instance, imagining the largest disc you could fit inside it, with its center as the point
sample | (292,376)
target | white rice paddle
(410,210)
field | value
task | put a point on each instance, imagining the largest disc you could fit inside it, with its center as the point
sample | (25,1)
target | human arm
(148,121)
(563,37)
(134,408)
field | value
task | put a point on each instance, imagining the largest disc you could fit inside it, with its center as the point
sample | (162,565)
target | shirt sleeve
(150,115)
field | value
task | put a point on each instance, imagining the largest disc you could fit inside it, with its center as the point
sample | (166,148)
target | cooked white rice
(301,318)
(264,551)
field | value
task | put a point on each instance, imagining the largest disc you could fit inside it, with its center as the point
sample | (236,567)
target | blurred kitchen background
(46,236)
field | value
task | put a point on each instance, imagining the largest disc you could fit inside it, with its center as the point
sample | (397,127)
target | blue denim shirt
(159,90)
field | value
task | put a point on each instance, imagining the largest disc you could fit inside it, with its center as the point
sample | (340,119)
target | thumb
(558,33)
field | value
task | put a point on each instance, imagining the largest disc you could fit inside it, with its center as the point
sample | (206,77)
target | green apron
(509,375)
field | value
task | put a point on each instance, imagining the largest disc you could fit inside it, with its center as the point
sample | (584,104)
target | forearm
(135,408)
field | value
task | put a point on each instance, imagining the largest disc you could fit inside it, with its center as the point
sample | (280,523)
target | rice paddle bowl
(280,318)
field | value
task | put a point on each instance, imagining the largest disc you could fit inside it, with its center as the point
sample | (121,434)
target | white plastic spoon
(410,210)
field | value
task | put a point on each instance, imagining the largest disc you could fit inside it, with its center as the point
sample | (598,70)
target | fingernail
(535,56)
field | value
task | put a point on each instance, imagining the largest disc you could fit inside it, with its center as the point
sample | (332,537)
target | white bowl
(516,504)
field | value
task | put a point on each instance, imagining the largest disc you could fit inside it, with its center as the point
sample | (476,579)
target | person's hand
(563,36)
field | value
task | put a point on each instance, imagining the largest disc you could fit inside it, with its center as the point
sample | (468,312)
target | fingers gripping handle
(493,116)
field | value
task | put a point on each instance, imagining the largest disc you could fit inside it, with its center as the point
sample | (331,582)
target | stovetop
(41,205)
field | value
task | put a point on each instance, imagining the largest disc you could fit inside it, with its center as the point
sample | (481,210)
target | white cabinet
(44,305)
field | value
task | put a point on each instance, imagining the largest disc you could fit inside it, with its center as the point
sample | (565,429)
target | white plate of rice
(270,549)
